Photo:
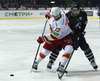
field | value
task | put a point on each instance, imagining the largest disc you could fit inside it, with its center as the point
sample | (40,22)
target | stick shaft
(40,43)
(60,76)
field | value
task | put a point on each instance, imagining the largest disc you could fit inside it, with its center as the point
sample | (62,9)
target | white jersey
(60,28)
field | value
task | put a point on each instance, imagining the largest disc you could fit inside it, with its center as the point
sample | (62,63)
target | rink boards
(36,14)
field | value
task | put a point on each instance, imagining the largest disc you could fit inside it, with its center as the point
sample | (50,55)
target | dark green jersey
(82,18)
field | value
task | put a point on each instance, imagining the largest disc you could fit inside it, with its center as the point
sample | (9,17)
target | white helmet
(55,11)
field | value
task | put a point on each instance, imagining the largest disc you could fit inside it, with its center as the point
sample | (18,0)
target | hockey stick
(39,43)
(60,76)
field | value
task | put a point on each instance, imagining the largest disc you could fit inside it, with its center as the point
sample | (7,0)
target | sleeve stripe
(53,37)
(50,27)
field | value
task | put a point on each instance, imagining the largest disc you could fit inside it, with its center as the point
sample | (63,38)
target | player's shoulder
(68,14)
(83,12)
(62,11)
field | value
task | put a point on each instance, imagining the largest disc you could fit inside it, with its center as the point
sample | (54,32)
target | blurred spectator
(43,4)
(23,7)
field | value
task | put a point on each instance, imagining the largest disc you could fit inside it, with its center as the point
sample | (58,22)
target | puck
(11,74)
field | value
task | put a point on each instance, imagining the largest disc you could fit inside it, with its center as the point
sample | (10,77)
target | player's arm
(54,35)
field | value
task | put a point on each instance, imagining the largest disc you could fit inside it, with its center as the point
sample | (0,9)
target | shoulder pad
(82,10)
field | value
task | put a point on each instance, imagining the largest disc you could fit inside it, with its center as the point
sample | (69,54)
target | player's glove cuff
(42,39)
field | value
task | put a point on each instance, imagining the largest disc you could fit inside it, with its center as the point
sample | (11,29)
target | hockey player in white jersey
(59,35)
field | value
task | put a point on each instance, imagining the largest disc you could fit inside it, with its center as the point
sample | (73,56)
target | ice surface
(18,47)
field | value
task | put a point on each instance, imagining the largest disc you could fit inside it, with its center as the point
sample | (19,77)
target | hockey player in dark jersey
(78,21)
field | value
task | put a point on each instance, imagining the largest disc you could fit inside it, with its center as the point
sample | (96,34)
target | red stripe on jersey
(42,55)
(68,24)
(66,21)
(53,37)
(67,55)
(50,27)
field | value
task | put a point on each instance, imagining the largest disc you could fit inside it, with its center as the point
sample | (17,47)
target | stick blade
(32,70)
(60,75)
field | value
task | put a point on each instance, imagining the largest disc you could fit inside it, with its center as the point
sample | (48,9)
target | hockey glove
(42,39)
(48,15)
(75,45)
(78,25)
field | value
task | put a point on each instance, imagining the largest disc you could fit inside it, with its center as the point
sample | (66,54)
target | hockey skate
(50,63)
(60,69)
(35,66)
(94,65)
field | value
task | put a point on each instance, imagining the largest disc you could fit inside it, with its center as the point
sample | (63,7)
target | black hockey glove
(75,45)
(78,25)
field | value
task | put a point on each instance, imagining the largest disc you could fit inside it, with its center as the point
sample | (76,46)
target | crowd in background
(24,4)
(44,4)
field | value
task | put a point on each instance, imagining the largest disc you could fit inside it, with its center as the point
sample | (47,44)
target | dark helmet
(75,7)
(75,10)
